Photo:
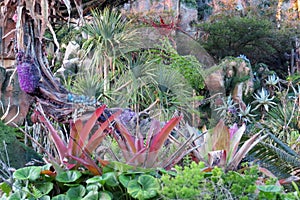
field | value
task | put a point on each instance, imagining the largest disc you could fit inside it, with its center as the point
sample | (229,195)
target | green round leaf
(61,197)
(5,188)
(110,179)
(269,188)
(145,187)
(75,193)
(68,176)
(46,197)
(27,173)
(44,187)
(105,195)
(93,187)
(92,195)
(96,179)
(124,180)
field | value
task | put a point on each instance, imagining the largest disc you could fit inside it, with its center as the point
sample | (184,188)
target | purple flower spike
(28,76)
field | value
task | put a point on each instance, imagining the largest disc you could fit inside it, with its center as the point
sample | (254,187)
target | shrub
(254,37)
(194,182)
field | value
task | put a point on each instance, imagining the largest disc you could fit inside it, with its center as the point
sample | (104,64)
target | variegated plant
(220,146)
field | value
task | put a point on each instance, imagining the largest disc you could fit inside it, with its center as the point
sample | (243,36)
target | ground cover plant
(127,122)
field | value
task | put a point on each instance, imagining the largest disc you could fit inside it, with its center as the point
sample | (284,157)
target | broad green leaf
(145,187)
(93,187)
(5,188)
(105,195)
(44,187)
(61,197)
(76,193)
(110,179)
(96,179)
(27,173)
(92,195)
(269,188)
(16,196)
(46,197)
(124,180)
(68,176)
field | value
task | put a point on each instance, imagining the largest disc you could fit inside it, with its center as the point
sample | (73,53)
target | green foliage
(186,184)
(80,185)
(88,83)
(192,182)
(145,187)
(151,82)
(254,37)
(187,65)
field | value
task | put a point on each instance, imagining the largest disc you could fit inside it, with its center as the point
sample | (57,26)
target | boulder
(19,155)
(15,102)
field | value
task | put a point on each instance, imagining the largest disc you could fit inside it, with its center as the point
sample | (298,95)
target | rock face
(19,154)
(15,102)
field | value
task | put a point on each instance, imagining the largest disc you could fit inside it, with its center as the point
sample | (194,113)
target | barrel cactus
(28,72)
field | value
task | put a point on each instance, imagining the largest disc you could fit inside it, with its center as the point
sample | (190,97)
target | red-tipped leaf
(59,143)
(73,146)
(84,134)
(129,140)
(100,134)
(159,139)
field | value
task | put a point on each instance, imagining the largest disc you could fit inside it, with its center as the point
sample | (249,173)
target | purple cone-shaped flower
(29,76)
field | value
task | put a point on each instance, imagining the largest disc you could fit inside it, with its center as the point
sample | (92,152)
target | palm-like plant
(263,101)
(148,85)
(109,37)
(88,83)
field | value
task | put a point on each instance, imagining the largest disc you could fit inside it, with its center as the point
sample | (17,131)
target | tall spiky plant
(109,38)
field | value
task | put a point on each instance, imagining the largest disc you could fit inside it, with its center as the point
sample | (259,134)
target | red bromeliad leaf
(154,129)
(59,143)
(128,143)
(159,139)
(89,163)
(73,146)
(100,134)
(84,134)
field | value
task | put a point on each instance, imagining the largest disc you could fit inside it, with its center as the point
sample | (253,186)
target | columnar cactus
(28,72)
